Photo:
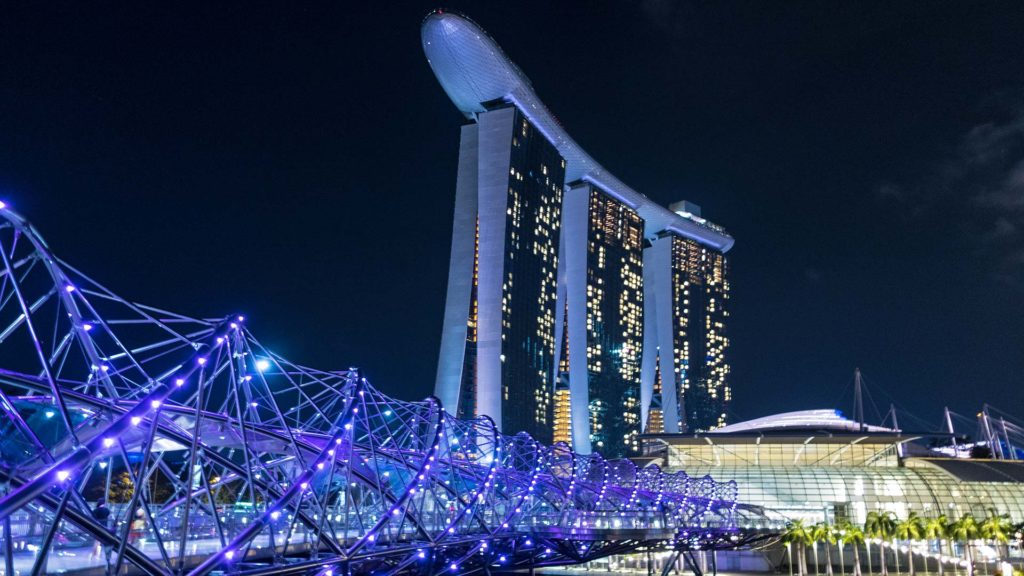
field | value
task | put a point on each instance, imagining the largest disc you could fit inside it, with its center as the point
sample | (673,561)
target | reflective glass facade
(614,324)
(563,402)
(563,415)
(700,298)
(498,343)
(655,414)
(832,479)
(607,381)
(467,395)
(529,292)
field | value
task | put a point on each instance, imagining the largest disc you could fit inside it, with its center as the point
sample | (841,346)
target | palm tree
(937,529)
(799,534)
(841,544)
(997,527)
(910,529)
(824,532)
(880,525)
(965,529)
(855,536)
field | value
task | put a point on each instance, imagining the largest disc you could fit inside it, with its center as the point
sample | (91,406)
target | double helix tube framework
(214,453)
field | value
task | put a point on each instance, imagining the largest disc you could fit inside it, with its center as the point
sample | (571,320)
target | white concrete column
(460,275)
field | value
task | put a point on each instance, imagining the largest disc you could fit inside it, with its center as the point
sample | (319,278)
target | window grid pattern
(467,388)
(834,481)
(700,288)
(529,289)
(830,494)
(614,318)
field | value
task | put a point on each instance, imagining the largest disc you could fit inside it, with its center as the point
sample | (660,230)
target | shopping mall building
(818,466)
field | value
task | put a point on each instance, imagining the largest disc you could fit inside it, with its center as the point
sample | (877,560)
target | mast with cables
(858,400)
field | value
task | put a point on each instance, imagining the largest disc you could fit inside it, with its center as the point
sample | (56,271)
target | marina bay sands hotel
(577,309)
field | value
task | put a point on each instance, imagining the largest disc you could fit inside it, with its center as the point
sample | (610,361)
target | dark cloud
(887,191)
(979,188)
(1007,194)
(1002,230)
(993,168)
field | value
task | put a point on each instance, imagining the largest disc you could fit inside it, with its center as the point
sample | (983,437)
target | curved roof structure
(824,420)
(475,72)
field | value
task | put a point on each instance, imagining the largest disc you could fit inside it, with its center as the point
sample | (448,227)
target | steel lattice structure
(214,453)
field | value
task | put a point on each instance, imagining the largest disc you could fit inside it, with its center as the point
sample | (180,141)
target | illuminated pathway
(217,454)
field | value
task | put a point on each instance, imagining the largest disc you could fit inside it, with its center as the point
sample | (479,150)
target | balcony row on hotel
(577,309)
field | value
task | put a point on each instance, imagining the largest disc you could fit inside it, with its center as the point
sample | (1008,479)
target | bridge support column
(691,560)
(671,563)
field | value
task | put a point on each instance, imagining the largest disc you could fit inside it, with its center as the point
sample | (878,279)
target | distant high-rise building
(554,311)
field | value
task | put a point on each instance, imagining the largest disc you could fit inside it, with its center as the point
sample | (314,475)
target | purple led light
(479,472)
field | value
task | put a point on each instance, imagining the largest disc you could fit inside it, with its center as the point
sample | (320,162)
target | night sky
(297,164)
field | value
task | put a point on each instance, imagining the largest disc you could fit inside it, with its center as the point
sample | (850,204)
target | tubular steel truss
(214,453)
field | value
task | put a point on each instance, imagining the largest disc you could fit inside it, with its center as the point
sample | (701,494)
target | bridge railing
(209,448)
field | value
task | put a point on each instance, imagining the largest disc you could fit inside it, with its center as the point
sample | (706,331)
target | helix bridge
(215,455)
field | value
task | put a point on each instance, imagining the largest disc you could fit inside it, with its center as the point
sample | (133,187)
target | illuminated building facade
(817,466)
(563,414)
(685,336)
(503,273)
(531,269)
(602,289)
(655,421)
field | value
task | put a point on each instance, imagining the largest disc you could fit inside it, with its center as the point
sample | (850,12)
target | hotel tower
(577,310)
